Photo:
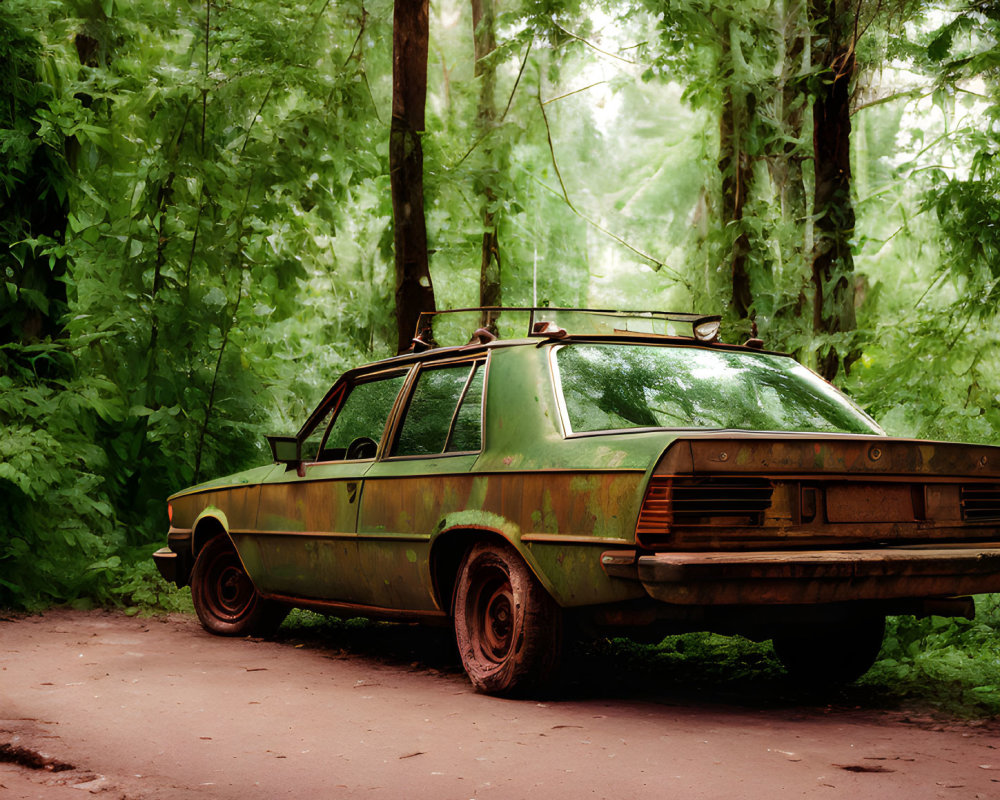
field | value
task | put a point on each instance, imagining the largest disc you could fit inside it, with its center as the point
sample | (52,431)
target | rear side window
(445,412)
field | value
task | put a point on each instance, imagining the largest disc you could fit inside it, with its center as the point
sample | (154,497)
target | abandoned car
(612,472)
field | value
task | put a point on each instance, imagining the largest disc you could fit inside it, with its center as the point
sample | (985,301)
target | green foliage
(756,176)
(945,387)
(926,224)
(946,665)
(952,663)
(34,182)
(139,587)
(203,219)
(59,538)
(216,232)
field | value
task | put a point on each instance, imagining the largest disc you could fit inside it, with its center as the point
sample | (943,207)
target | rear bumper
(811,577)
(175,560)
(167,563)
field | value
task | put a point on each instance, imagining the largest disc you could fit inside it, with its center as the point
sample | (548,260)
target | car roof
(545,326)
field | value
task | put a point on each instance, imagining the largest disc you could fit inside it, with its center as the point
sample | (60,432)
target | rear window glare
(620,386)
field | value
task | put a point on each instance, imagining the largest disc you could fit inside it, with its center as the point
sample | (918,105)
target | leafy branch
(564,194)
(503,116)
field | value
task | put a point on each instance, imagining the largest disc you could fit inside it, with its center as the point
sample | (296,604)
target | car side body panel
(304,542)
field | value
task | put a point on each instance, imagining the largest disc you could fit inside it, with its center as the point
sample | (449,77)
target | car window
(310,447)
(444,414)
(467,432)
(358,426)
(613,386)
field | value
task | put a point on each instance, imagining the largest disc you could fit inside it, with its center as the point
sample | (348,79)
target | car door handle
(352,492)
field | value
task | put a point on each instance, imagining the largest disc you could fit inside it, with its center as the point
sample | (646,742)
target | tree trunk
(414,291)
(735,182)
(786,159)
(833,261)
(737,177)
(484,40)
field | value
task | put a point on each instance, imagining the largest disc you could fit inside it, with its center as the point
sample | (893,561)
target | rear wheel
(831,653)
(508,628)
(225,598)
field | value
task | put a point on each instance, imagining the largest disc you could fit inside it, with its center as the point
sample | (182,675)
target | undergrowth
(952,664)
(936,664)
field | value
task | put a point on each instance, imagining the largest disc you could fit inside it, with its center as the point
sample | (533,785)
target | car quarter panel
(558,501)
(569,498)
(560,522)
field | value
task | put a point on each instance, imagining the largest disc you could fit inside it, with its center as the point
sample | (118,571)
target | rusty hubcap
(494,618)
(232,592)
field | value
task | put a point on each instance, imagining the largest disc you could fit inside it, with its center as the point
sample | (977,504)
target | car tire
(831,653)
(225,599)
(507,627)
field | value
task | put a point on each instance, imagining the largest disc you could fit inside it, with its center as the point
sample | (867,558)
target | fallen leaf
(863,768)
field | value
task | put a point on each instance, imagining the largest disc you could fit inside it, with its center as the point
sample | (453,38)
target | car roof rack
(554,322)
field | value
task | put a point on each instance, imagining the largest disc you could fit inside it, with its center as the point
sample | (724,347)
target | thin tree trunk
(414,291)
(484,39)
(737,176)
(833,261)
(209,408)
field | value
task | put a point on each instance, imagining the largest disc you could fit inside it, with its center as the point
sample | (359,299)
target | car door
(305,543)
(422,475)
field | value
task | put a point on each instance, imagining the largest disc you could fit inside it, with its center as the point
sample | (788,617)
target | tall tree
(834,39)
(738,108)
(790,148)
(484,41)
(414,290)
(729,54)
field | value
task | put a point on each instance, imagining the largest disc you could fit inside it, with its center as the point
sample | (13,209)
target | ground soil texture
(156,709)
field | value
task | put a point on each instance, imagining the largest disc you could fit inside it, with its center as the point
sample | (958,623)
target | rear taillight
(980,502)
(689,502)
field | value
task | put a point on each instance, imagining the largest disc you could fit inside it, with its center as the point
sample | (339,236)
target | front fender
(207,525)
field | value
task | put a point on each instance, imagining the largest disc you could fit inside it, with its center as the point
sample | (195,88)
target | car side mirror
(285,450)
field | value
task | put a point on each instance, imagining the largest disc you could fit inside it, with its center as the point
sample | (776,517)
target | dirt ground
(156,709)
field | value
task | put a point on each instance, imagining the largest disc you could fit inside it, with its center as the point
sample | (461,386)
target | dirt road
(155,709)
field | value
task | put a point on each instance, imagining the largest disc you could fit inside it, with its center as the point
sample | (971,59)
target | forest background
(199,233)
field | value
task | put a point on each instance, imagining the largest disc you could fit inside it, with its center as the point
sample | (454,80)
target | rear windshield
(618,386)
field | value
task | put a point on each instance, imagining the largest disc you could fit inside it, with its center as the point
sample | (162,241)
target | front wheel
(225,599)
(831,653)
(508,628)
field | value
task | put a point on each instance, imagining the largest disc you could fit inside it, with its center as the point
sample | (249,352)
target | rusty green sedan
(606,472)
